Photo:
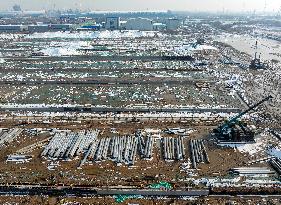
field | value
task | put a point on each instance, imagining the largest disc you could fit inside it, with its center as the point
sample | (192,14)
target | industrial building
(129,14)
(95,27)
(60,27)
(143,24)
(112,23)
(12,28)
(159,27)
(173,23)
(38,28)
(48,27)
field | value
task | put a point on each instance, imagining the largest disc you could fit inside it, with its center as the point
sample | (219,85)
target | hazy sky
(194,5)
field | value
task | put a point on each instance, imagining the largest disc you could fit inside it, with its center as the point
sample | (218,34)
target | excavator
(235,130)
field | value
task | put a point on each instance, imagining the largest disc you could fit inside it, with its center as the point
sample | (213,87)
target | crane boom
(234,119)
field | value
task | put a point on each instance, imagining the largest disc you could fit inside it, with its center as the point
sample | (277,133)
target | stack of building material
(173,148)
(251,170)
(141,143)
(120,149)
(9,135)
(19,158)
(148,147)
(30,148)
(198,152)
(69,144)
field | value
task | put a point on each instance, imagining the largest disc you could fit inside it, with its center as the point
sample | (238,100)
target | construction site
(139,117)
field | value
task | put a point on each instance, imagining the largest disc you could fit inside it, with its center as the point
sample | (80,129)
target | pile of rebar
(198,152)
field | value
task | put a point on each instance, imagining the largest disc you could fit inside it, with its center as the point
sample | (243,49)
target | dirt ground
(106,173)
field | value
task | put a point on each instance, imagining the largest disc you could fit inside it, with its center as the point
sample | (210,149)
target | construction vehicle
(256,63)
(236,131)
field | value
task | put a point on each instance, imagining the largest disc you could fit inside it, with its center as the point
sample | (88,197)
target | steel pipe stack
(192,152)
(9,136)
(118,149)
(251,170)
(173,148)
(204,151)
(87,154)
(67,144)
(198,153)
(141,144)
(181,145)
(164,147)
(134,151)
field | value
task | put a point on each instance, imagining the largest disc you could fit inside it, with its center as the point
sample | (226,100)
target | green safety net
(122,198)
(161,185)
(89,23)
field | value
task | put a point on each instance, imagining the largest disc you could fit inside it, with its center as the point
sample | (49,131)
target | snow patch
(1,58)
(252,148)
(274,152)
(93,35)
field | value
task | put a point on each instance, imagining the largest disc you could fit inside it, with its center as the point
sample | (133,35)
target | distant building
(38,28)
(48,27)
(68,16)
(143,24)
(159,26)
(13,28)
(95,27)
(60,27)
(112,23)
(22,13)
(130,14)
(122,25)
(173,24)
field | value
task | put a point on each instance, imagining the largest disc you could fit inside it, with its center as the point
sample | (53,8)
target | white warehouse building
(143,24)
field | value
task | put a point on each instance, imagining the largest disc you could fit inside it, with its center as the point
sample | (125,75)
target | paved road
(122,110)
(92,70)
(102,82)
(102,58)
(77,191)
